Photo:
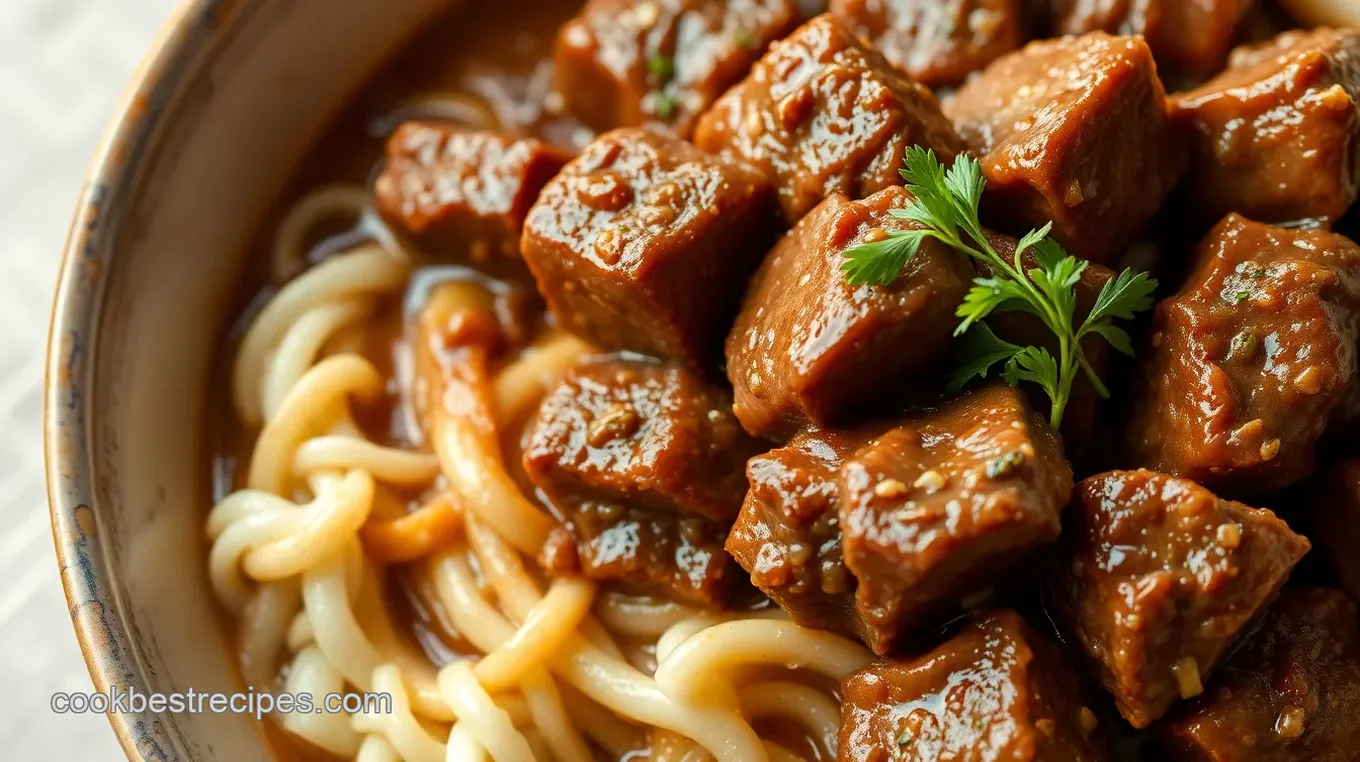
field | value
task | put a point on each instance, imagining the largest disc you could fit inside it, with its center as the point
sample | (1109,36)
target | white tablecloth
(63,64)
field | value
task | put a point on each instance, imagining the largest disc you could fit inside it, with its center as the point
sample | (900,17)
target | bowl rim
(147,101)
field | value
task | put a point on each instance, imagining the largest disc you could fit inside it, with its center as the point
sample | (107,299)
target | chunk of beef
(1164,576)
(1291,693)
(809,347)
(1276,137)
(1253,359)
(1187,36)
(1075,131)
(676,556)
(1336,513)
(822,113)
(644,243)
(937,42)
(947,504)
(788,534)
(462,191)
(644,434)
(642,464)
(660,63)
(998,690)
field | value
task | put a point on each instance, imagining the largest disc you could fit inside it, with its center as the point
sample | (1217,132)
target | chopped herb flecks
(1004,465)
(661,68)
(666,106)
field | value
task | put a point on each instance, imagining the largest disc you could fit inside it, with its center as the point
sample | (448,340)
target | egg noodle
(298,557)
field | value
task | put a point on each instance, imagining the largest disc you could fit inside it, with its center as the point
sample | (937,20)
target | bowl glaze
(215,121)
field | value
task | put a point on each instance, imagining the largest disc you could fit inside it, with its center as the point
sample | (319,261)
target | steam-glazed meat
(996,691)
(660,63)
(1291,693)
(937,42)
(1075,131)
(459,191)
(642,463)
(641,433)
(947,504)
(1276,137)
(788,534)
(1253,359)
(1164,577)
(1336,513)
(809,347)
(821,113)
(1187,36)
(644,243)
(676,556)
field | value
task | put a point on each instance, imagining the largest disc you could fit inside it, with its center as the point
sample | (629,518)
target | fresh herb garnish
(662,68)
(666,106)
(743,38)
(945,205)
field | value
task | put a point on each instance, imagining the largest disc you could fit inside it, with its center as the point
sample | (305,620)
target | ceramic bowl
(215,121)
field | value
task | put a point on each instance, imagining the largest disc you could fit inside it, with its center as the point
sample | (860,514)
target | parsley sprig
(945,207)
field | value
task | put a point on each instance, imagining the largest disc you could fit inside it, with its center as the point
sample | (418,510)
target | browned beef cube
(1075,131)
(1164,576)
(678,557)
(946,505)
(1187,36)
(1276,137)
(643,464)
(660,63)
(644,243)
(1253,359)
(1336,512)
(998,690)
(788,535)
(809,347)
(937,42)
(1291,693)
(455,190)
(644,434)
(822,113)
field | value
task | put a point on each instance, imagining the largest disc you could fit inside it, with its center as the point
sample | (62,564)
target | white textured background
(63,64)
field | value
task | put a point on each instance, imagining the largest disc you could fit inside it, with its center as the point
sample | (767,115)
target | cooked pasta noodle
(299,554)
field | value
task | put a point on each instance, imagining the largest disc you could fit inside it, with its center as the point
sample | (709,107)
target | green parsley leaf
(1058,280)
(913,212)
(662,68)
(666,106)
(1048,252)
(743,38)
(965,181)
(1032,238)
(1037,366)
(880,262)
(987,296)
(945,206)
(1117,337)
(926,181)
(977,352)
(1128,293)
